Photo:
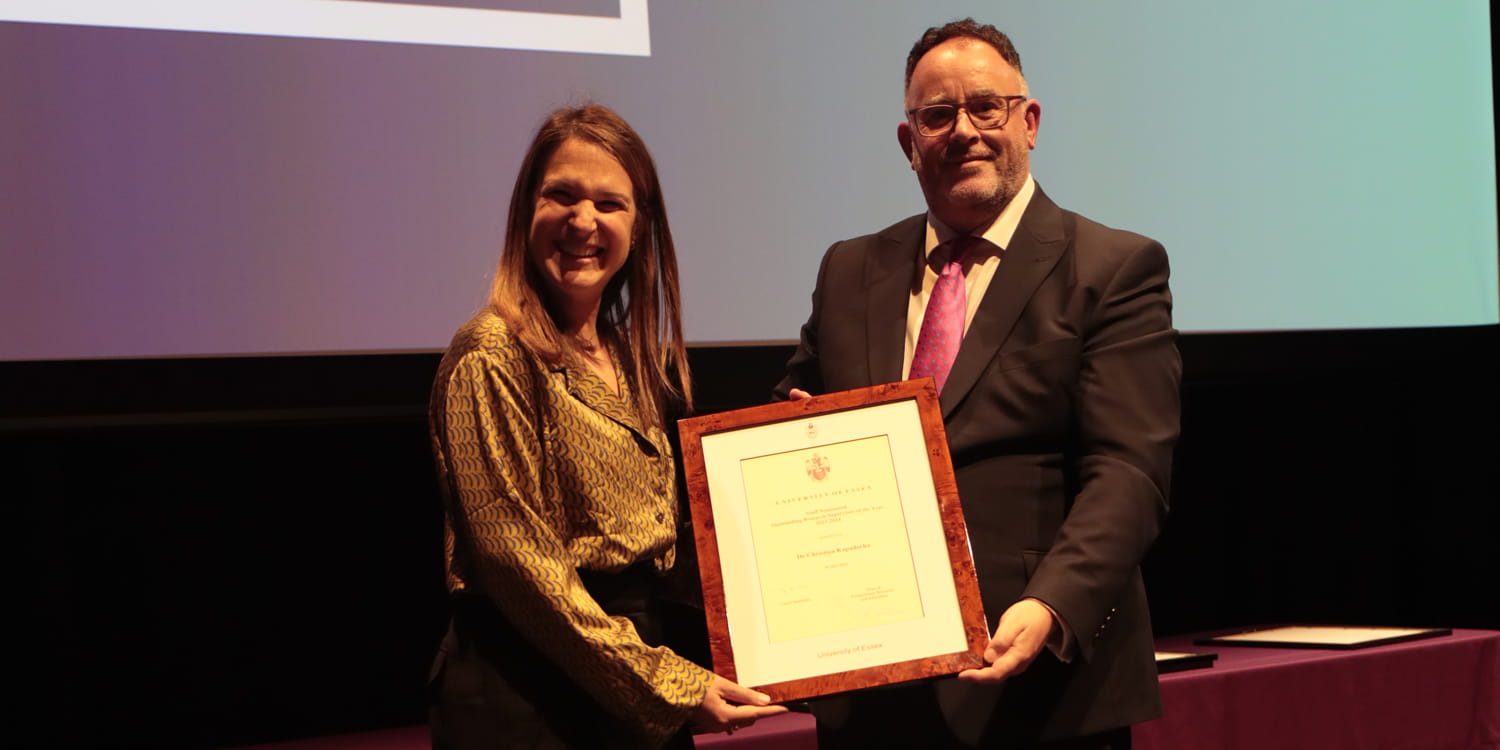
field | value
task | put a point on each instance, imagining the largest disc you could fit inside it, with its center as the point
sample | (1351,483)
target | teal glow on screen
(337,182)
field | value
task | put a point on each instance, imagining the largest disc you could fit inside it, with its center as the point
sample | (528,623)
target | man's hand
(730,706)
(1019,637)
(797,394)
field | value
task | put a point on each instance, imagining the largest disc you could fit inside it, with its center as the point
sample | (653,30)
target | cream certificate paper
(830,539)
(831,544)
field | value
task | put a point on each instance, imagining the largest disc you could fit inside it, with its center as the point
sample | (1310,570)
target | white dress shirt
(979,265)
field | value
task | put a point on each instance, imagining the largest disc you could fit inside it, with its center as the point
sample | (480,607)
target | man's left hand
(1020,636)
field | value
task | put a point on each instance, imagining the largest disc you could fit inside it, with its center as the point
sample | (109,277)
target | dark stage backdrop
(216,552)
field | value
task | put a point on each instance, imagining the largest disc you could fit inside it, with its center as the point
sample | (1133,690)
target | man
(1060,405)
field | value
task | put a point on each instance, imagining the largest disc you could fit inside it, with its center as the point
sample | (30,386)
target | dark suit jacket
(1062,413)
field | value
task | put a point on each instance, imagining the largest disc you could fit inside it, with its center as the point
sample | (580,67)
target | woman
(548,425)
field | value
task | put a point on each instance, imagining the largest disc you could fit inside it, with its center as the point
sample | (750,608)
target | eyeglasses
(987,113)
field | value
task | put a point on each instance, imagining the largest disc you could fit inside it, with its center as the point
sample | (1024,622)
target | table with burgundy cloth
(1439,693)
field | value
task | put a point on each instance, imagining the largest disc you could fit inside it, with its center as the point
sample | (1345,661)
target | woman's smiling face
(582,226)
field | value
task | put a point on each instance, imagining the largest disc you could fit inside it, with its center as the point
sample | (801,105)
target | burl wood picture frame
(831,544)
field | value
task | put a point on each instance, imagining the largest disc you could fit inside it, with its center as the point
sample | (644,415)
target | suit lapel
(1034,250)
(888,282)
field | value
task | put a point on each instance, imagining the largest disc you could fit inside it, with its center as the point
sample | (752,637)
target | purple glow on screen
(569,7)
(182,193)
(252,205)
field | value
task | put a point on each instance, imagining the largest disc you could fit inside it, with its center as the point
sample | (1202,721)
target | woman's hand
(730,706)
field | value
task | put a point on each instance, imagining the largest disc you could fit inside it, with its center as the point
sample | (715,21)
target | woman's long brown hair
(641,313)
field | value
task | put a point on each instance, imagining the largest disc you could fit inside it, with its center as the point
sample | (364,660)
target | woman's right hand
(730,706)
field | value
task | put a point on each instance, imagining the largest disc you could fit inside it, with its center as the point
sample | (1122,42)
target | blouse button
(661,517)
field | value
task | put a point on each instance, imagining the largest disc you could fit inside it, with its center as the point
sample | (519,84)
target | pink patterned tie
(943,321)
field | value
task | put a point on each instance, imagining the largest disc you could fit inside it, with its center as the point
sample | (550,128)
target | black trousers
(491,688)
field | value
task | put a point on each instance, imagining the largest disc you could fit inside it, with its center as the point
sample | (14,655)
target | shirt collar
(998,233)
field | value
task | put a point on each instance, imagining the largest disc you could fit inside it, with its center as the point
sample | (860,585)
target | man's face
(968,175)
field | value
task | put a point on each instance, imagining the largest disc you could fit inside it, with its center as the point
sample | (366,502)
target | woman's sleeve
(493,442)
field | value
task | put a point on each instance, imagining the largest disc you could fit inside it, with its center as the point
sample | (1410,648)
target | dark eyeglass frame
(916,122)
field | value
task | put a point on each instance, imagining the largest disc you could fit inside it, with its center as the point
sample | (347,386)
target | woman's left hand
(730,706)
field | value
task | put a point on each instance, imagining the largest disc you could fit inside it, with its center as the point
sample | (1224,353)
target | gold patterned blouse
(546,471)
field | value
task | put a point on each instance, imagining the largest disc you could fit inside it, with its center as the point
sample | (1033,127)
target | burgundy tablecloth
(1439,693)
(789,731)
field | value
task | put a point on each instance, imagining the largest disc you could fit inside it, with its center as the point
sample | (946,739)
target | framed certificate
(1322,636)
(831,544)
